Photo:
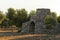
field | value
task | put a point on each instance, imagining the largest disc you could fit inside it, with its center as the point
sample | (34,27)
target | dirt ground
(31,37)
(20,36)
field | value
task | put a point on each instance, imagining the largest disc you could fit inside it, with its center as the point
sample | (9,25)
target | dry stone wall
(38,20)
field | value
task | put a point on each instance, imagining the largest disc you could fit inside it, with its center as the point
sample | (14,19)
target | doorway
(32,27)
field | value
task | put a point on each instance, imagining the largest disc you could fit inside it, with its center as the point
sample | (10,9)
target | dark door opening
(32,27)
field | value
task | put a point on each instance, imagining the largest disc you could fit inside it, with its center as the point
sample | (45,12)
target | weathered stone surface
(58,28)
(38,19)
(25,28)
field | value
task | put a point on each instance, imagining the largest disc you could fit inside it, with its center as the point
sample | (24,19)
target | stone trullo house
(36,23)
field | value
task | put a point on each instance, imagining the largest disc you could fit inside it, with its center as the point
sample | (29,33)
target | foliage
(11,15)
(21,17)
(54,15)
(58,19)
(32,12)
(50,22)
(2,16)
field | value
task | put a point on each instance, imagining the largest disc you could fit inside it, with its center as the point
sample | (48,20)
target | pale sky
(54,5)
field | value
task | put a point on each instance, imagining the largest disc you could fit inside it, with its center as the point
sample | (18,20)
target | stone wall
(40,25)
(58,28)
(25,28)
(38,19)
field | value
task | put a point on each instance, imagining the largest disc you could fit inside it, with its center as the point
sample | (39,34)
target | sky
(54,5)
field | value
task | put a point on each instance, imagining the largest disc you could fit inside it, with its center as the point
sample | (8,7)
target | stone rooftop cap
(43,9)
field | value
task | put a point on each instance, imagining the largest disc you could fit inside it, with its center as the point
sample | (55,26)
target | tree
(5,23)
(1,17)
(24,15)
(21,17)
(50,22)
(32,12)
(58,19)
(54,15)
(11,15)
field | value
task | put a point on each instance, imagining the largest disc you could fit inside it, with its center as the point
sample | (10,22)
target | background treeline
(19,16)
(15,17)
